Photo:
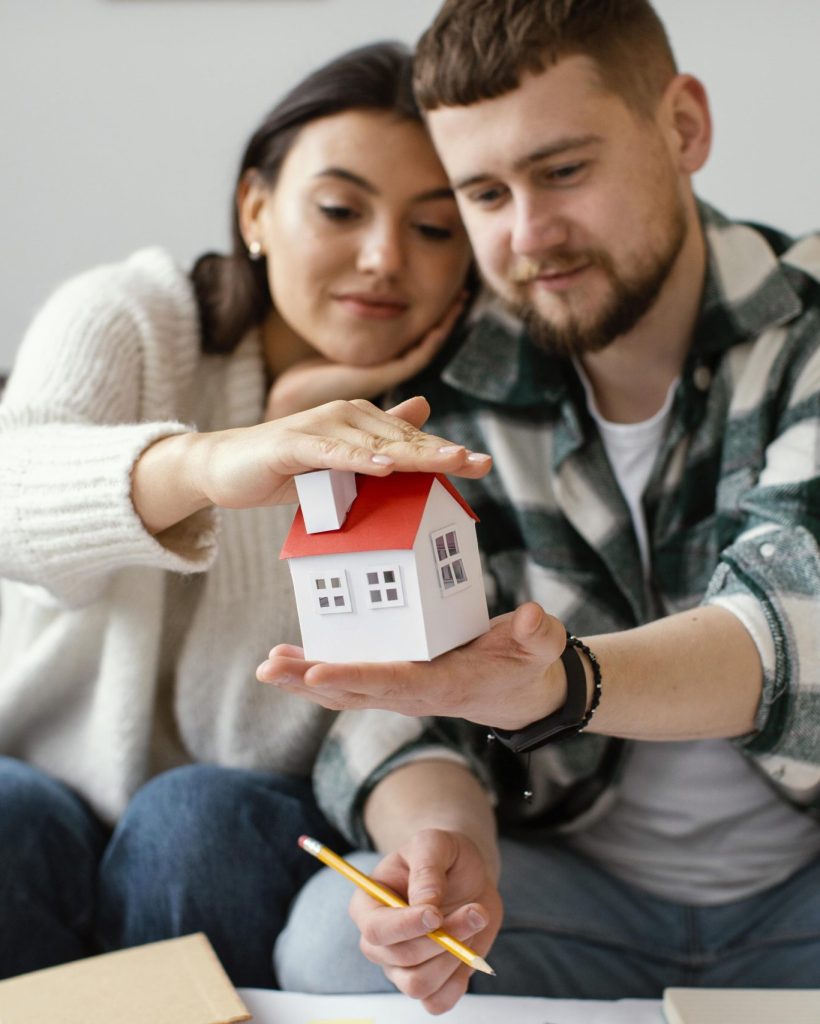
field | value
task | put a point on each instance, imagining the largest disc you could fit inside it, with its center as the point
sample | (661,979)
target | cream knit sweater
(119,656)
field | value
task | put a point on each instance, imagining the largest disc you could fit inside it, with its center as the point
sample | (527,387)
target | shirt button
(767,550)
(702,378)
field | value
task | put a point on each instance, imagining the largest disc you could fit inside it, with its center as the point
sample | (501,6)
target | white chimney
(325,496)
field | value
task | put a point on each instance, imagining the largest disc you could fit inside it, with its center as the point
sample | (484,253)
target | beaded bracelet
(596,678)
(570,719)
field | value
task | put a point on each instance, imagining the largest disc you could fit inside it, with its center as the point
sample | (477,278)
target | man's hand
(447,884)
(508,677)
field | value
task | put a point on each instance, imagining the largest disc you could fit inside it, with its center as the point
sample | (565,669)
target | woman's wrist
(167,481)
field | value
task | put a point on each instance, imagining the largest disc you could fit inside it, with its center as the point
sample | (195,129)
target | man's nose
(536,227)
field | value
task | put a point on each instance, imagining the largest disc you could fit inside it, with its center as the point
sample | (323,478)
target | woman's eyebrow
(444,192)
(355,179)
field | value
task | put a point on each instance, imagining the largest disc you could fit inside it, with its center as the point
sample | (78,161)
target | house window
(331,594)
(451,572)
(384,588)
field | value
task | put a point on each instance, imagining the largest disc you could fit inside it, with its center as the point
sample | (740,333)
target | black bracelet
(596,678)
(568,720)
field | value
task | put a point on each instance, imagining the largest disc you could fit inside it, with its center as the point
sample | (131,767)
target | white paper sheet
(295,1008)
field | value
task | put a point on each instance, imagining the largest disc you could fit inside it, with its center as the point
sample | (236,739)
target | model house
(384,568)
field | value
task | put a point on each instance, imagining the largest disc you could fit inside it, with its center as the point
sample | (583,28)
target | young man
(656,435)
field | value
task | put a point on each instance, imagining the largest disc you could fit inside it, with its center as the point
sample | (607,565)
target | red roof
(385,516)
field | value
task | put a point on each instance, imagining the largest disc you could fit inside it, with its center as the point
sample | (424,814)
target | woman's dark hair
(232,291)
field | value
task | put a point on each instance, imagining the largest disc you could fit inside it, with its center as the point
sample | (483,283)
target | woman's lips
(372,307)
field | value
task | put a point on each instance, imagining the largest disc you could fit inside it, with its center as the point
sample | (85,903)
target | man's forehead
(549,111)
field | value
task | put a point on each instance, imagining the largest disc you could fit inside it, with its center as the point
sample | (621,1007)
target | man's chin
(564,340)
(559,335)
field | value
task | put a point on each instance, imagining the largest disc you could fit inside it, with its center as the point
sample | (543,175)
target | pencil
(390,899)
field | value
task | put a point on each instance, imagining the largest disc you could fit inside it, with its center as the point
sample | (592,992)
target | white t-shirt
(693,821)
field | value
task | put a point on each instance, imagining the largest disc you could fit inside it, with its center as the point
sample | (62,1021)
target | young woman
(149,785)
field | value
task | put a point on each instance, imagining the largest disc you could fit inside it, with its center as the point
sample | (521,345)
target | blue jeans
(50,846)
(199,848)
(573,931)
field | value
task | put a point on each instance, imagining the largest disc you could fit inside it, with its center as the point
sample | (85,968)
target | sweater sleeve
(97,380)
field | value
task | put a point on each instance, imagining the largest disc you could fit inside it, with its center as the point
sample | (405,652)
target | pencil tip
(480,964)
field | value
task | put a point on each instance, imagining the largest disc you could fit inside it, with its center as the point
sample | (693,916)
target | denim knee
(171,829)
(178,800)
(197,813)
(213,849)
(50,847)
(40,814)
(318,950)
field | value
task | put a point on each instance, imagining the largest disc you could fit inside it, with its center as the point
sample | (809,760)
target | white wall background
(121,121)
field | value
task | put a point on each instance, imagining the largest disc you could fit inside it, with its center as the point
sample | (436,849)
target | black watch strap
(565,721)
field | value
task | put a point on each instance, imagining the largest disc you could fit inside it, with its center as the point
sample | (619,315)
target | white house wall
(452,618)
(365,633)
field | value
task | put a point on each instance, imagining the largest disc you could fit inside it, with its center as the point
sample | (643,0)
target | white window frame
(450,569)
(384,587)
(333,587)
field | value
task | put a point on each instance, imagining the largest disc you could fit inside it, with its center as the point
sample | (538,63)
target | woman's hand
(447,885)
(314,381)
(249,467)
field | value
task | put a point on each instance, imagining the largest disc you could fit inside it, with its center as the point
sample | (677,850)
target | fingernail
(451,449)
(381,460)
(477,457)
(430,920)
(263,667)
(476,920)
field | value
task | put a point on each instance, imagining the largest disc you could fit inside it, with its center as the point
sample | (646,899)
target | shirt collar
(746,289)
(497,362)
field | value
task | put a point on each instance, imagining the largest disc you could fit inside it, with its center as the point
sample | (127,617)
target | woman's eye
(337,213)
(434,232)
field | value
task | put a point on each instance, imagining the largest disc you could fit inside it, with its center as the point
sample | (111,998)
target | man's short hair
(479,49)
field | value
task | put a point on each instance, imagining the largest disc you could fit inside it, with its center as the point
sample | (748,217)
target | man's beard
(629,300)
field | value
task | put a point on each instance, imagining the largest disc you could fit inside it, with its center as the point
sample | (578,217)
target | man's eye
(434,232)
(488,196)
(337,213)
(565,173)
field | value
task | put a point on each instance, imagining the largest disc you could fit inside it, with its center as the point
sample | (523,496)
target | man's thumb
(537,631)
(426,884)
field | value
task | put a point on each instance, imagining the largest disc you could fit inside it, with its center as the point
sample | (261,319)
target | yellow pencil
(390,899)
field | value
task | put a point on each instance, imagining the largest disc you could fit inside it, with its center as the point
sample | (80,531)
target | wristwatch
(569,719)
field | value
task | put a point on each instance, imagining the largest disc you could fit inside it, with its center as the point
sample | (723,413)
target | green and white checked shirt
(732,509)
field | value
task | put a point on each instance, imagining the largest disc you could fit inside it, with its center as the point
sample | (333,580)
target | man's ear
(251,195)
(688,121)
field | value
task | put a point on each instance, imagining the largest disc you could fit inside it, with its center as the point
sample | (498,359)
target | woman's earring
(255,249)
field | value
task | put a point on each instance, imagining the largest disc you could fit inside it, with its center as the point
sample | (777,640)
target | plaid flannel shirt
(732,509)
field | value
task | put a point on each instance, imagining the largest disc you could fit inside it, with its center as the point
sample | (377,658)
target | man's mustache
(525,269)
